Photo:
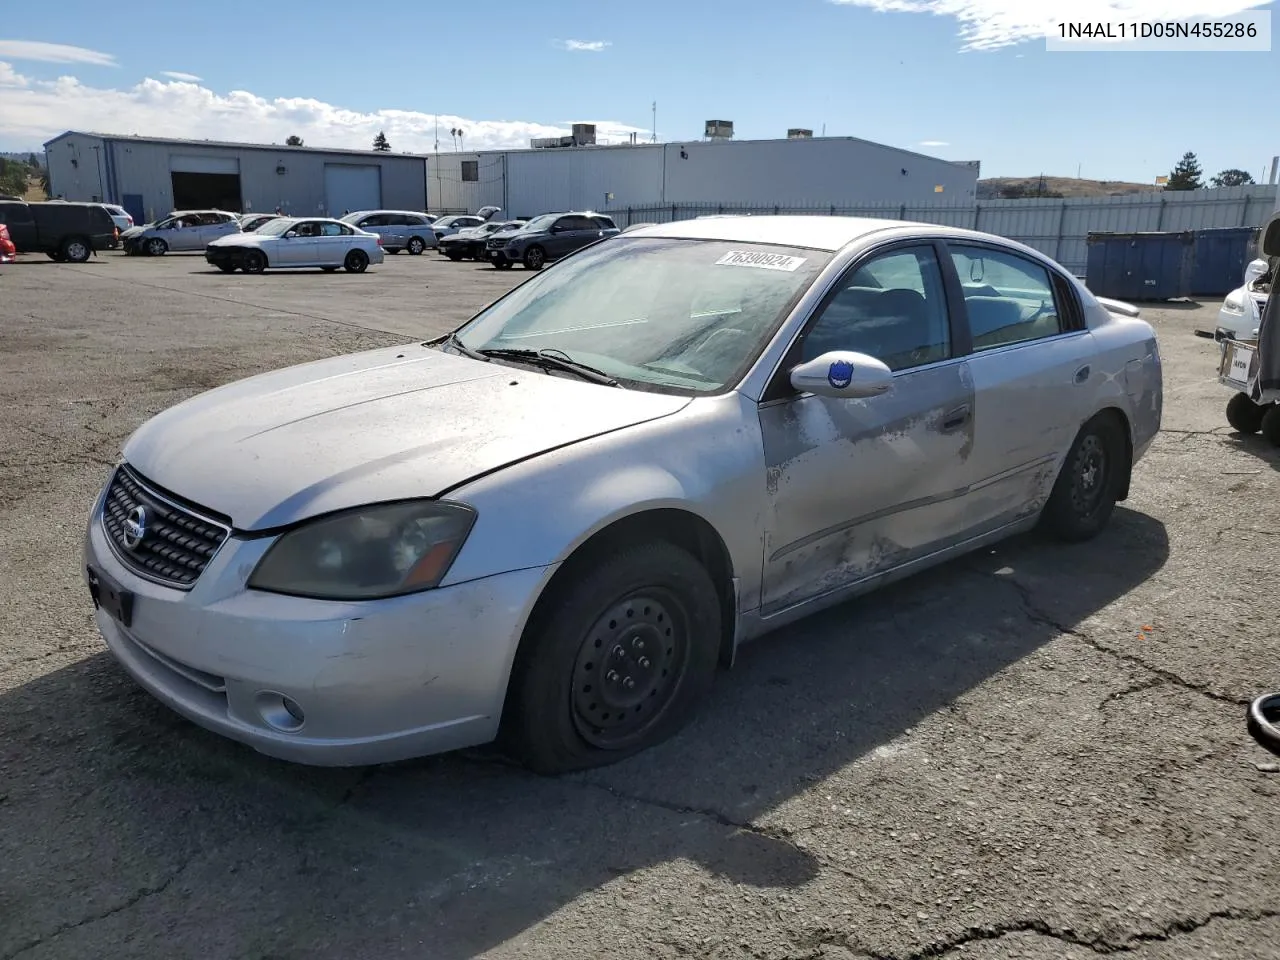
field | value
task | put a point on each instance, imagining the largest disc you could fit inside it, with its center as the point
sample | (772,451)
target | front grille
(177,543)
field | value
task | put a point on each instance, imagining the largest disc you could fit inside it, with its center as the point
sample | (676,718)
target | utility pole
(655,122)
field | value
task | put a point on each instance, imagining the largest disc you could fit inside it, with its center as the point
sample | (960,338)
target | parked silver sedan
(553,525)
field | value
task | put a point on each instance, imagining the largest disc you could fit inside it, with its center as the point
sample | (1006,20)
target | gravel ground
(1033,752)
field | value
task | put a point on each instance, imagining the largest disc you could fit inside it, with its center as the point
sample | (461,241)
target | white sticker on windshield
(765,261)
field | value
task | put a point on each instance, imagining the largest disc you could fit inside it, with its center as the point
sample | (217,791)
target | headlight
(368,553)
(1234,303)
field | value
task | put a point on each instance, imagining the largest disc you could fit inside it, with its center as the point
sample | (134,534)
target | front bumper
(503,253)
(375,682)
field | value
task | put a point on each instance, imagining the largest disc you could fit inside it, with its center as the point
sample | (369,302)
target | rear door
(22,225)
(331,246)
(219,225)
(1032,376)
(570,233)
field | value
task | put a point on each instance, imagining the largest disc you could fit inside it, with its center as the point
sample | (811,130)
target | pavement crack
(139,895)
(706,813)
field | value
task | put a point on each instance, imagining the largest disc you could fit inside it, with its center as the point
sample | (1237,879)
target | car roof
(818,232)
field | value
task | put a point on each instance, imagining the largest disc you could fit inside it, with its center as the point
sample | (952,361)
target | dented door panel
(856,487)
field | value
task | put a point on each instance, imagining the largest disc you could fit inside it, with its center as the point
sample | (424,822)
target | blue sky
(504,71)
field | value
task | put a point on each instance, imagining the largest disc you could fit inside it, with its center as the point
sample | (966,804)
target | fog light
(280,712)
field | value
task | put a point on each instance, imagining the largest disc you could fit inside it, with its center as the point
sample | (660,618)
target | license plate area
(111,597)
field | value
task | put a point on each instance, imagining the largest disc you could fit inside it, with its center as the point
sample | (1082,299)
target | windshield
(275,228)
(351,217)
(685,316)
(541,223)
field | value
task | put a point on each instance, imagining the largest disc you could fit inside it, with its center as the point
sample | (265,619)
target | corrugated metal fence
(1054,227)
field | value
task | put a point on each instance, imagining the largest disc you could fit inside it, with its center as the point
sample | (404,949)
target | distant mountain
(994,187)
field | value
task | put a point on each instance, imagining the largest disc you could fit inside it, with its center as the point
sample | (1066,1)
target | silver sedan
(552,526)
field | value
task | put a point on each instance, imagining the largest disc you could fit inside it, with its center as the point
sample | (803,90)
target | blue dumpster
(1140,266)
(1221,256)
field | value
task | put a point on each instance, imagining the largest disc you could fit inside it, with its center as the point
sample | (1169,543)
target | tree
(293,140)
(1186,175)
(1233,177)
(33,162)
(13,178)
(381,143)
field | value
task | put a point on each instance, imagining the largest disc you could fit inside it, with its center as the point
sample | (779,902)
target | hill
(993,187)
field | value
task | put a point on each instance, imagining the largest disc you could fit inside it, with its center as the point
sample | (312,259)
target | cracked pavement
(1037,751)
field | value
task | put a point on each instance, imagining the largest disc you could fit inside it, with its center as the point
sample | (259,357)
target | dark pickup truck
(65,231)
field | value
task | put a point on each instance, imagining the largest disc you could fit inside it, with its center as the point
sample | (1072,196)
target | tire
(157,247)
(357,262)
(1271,424)
(502,264)
(76,250)
(254,261)
(1244,415)
(415,246)
(455,257)
(1089,484)
(227,267)
(535,258)
(588,690)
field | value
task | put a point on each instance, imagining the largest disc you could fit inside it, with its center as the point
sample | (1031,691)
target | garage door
(196,164)
(349,186)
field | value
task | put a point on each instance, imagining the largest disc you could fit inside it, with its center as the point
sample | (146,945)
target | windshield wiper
(455,341)
(552,358)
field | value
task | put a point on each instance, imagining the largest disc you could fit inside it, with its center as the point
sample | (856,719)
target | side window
(1009,298)
(306,229)
(576,223)
(605,223)
(331,230)
(893,308)
(377,220)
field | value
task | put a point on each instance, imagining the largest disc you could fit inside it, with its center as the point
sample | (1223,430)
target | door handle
(956,418)
(1082,375)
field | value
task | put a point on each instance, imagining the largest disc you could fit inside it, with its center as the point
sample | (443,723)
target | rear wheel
(357,261)
(255,261)
(415,246)
(227,267)
(1089,484)
(616,661)
(76,249)
(535,257)
(1271,424)
(1244,415)
(157,247)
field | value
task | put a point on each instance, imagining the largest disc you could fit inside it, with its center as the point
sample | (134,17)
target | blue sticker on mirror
(840,374)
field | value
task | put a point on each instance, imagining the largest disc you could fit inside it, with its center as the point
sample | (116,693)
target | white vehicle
(181,231)
(447,226)
(290,243)
(119,216)
(1242,308)
(399,229)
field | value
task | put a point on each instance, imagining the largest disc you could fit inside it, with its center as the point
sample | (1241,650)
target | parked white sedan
(290,243)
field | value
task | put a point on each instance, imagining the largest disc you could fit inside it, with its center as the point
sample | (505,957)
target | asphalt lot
(1036,752)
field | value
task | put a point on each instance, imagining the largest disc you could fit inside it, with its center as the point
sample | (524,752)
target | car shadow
(1258,446)
(464,852)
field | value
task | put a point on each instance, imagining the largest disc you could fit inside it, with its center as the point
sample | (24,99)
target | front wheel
(615,661)
(534,258)
(157,247)
(1089,484)
(1244,415)
(255,261)
(227,267)
(1271,424)
(416,246)
(357,262)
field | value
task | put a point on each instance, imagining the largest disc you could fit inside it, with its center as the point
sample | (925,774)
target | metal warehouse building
(575,173)
(151,176)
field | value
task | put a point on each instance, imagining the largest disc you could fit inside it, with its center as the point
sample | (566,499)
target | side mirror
(292,234)
(843,375)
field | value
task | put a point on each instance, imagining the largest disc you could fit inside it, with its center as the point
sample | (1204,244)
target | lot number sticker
(1240,365)
(763,261)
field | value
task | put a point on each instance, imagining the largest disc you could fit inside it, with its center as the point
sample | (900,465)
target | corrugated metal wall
(447,192)
(76,171)
(1055,227)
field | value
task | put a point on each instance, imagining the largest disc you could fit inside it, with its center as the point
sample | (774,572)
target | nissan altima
(554,526)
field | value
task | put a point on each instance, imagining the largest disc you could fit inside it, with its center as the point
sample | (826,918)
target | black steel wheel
(615,660)
(535,258)
(1271,424)
(1244,415)
(1090,481)
(357,262)
(254,261)
(415,246)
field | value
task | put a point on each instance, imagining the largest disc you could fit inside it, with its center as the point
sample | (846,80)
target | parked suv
(399,229)
(64,231)
(549,237)
(447,226)
(182,230)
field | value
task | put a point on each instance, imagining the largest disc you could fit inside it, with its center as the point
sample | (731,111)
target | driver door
(298,245)
(185,234)
(856,487)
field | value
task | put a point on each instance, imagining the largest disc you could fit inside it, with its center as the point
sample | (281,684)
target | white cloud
(585,46)
(990,24)
(934,143)
(179,75)
(54,53)
(33,111)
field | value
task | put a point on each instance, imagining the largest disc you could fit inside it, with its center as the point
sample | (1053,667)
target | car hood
(136,230)
(240,238)
(387,424)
